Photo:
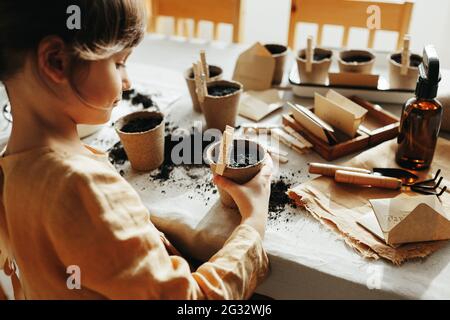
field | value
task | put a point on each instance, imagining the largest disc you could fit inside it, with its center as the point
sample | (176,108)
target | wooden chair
(350,13)
(216,11)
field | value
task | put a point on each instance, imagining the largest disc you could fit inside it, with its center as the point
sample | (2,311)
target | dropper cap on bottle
(429,74)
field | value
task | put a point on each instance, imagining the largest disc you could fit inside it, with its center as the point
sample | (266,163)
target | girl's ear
(53,59)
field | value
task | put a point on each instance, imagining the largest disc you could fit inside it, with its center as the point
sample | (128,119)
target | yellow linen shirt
(61,209)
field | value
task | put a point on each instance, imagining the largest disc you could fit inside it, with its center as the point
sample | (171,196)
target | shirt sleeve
(98,223)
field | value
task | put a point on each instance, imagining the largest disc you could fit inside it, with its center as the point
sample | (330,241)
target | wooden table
(307,261)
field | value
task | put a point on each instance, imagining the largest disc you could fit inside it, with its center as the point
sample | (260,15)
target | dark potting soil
(415,60)
(197,176)
(357,59)
(138,98)
(146,101)
(126,95)
(278,198)
(221,91)
(117,155)
(318,56)
(172,140)
(213,72)
(275,49)
(141,125)
(243,160)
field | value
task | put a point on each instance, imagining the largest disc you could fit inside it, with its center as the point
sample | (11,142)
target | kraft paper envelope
(312,123)
(340,112)
(408,219)
(256,105)
(255,68)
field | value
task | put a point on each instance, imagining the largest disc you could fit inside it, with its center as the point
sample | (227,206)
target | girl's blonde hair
(107,27)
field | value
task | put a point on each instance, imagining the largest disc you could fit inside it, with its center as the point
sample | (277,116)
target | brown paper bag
(255,68)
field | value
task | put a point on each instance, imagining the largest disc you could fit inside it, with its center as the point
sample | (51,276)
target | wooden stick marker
(309,54)
(198,83)
(205,67)
(406,55)
(224,150)
(203,82)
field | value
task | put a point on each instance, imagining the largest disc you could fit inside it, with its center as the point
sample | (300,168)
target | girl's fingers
(225,184)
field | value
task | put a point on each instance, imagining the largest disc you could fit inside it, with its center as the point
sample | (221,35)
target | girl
(62,204)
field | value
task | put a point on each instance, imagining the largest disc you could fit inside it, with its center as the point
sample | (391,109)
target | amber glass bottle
(421,118)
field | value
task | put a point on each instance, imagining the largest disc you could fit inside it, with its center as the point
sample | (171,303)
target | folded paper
(340,112)
(255,68)
(408,219)
(256,105)
(313,123)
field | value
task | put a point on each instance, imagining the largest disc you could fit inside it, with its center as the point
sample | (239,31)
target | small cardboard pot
(145,150)
(279,53)
(222,111)
(356,61)
(320,66)
(399,81)
(238,175)
(215,73)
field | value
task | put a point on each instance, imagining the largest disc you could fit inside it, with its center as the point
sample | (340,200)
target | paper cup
(279,53)
(222,111)
(356,61)
(320,68)
(399,81)
(215,73)
(145,150)
(238,175)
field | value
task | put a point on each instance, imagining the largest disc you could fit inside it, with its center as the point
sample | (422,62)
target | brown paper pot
(215,73)
(238,175)
(222,111)
(399,81)
(320,67)
(279,53)
(357,61)
(145,150)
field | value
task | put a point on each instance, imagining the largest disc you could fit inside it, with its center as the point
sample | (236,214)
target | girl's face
(100,88)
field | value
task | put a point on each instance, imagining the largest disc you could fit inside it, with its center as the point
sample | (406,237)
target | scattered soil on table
(172,140)
(141,125)
(357,59)
(117,155)
(415,60)
(138,98)
(278,198)
(243,160)
(221,91)
(198,177)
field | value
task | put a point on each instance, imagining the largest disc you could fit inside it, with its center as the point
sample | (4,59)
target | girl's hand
(251,198)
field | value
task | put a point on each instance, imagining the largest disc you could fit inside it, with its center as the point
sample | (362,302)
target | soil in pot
(141,125)
(415,60)
(318,56)
(357,59)
(221,91)
(242,155)
(275,49)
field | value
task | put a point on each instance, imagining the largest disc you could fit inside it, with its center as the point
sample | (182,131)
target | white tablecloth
(307,261)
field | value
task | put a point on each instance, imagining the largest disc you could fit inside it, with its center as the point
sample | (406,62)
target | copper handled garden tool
(387,178)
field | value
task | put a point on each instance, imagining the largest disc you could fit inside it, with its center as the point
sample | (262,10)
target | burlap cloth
(339,206)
